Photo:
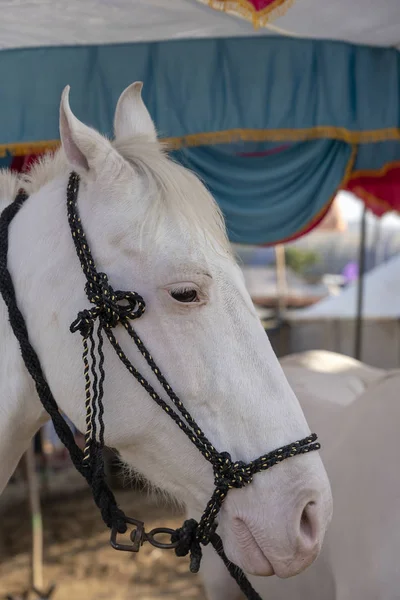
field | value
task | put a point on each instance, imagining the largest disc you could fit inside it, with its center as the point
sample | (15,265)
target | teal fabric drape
(269,198)
(210,85)
(5,161)
(204,92)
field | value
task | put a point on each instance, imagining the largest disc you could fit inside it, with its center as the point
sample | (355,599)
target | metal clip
(138,536)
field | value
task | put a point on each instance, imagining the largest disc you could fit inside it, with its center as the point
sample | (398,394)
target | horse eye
(185,296)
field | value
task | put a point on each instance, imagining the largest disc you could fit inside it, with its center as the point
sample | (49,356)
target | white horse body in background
(154,229)
(356,409)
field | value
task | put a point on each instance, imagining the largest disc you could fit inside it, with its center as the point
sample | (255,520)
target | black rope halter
(109,309)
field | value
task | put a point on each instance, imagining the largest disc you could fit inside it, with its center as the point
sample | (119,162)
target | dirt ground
(77,556)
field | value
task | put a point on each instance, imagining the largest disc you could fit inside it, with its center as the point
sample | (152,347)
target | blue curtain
(269,198)
(194,87)
(204,92)
(5,161)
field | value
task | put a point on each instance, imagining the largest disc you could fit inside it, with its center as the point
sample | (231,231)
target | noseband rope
(111,308)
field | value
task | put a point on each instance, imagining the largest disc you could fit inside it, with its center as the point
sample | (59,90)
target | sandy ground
(77,556)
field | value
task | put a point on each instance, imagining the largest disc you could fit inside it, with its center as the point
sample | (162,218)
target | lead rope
(94,475)
(110,309)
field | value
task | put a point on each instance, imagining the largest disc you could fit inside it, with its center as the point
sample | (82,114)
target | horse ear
(131,116)
(84,147)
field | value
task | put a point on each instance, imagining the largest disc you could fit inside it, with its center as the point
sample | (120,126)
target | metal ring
(168,546)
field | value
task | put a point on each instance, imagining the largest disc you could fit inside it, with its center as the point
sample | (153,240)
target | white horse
(356,409)
(331,380)
(153,228)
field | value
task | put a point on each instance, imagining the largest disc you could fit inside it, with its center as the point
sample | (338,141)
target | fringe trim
(277,135)
(26,148)
(234,135)
(246,10)
(374,173)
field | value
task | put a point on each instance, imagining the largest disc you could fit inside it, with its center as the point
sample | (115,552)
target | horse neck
(21,413)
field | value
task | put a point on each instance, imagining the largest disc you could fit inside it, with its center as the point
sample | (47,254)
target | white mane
(170,186)
(9,184)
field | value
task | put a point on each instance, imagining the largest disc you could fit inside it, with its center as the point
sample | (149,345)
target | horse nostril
(309,524)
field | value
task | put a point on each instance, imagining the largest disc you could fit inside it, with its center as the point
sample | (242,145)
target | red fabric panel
(380,190)
(260,4)
(23,163)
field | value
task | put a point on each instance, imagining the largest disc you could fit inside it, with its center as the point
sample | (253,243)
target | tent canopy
(30,23)
(273,123)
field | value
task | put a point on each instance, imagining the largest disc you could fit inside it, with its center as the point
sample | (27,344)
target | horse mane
(48,167)
(9,185)
(175,189)
(172,187)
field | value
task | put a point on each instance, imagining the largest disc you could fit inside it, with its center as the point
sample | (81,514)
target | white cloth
(26,23)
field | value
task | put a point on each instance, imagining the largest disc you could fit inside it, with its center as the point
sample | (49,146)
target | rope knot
(84,322)
(188,543)
(229,474)
(111,306)
(114,306)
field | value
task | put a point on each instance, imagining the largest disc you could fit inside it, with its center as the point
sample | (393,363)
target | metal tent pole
(281,282)
(282,292)
(377,244)
(36,515)
(360,288)
(37,579)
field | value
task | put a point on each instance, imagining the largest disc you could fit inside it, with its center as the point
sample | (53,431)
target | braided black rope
(234,571)
(111,308)
(104,498)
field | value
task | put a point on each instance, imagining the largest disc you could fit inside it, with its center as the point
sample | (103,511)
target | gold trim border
(26,148)
(232,135)
(278,135)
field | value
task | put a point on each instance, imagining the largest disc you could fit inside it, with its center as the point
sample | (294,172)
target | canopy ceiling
(27,23)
